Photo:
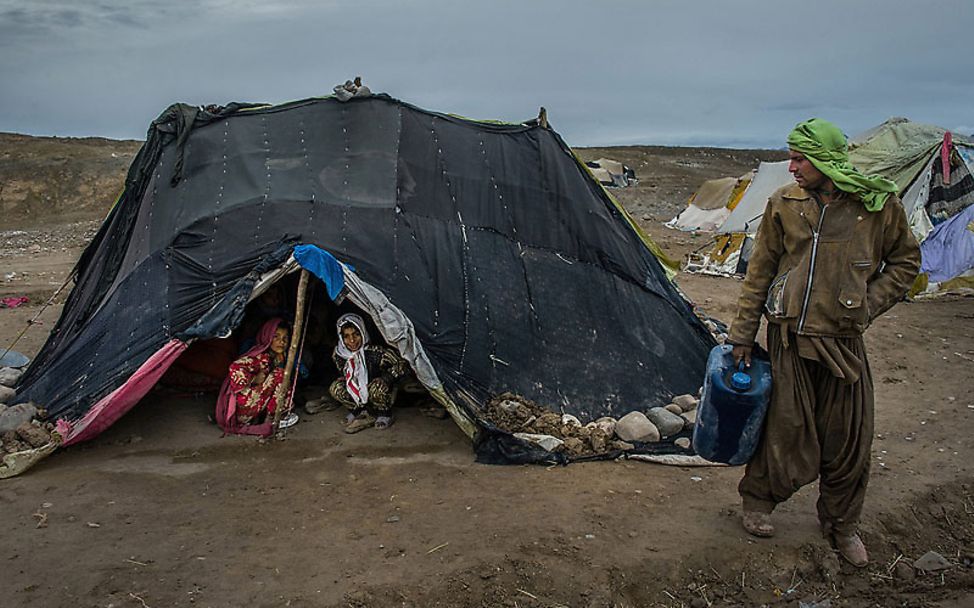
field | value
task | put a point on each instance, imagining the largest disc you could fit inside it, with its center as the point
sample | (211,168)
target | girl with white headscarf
(369,375)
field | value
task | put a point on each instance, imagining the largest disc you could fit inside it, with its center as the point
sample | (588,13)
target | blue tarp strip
(323,265)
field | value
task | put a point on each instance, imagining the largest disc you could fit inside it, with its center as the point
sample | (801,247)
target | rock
(16,415)
(515,407)
(569,420)
(550,418)
(548,423)
(598,439)
(11,446)
(607,424)
(932,562)
(12,358)
(545,441)
(698,602)
(904,571)
(635,426)
(673,408)
(7,394)
(690,418)
(10,376)
(686,402)
(9,437)
(625,446)
(683,442)
(667,422)
(574,446)
(35,435)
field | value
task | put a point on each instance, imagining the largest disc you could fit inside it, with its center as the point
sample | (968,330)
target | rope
(32,321)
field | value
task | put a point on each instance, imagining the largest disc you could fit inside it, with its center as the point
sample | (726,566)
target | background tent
(612,173)
(724,256)
(712,204)
(482,249)
(911,154)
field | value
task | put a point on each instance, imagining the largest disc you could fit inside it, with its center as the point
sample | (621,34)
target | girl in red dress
(248,399)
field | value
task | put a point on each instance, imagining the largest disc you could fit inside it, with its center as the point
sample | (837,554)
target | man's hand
(742,353)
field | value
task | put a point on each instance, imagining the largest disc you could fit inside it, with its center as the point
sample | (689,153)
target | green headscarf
(825,146)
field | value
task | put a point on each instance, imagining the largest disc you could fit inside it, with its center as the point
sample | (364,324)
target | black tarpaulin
(515,268)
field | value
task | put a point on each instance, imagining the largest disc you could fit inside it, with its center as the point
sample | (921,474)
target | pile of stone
(716,328)
(20,427)
(565,433)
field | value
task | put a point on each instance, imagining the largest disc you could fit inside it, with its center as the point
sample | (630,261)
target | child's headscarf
(825,146)
(356,370)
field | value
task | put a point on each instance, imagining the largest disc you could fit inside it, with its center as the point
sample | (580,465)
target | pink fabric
(945,155)
(226,404)
(112,407)
(13,301)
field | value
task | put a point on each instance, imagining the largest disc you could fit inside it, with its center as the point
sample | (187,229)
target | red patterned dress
(255,399)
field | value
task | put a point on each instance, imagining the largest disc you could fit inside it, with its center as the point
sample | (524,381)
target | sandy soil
(162,511)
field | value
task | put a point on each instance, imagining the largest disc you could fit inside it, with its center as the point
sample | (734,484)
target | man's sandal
(757,524)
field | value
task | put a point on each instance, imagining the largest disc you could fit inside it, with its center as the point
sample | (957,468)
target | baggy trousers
(381,396)
(818,426)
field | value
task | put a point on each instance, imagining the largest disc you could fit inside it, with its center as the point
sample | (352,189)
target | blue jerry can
(732,407)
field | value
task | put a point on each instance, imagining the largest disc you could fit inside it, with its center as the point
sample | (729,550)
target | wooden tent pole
(292,350)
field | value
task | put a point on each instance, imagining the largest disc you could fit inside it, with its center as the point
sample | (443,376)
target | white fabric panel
(395,326)
(914,201)
(694,218)
(747,215)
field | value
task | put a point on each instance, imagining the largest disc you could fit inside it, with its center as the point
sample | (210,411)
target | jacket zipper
(811,269)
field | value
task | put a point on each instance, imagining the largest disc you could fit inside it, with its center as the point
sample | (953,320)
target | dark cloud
(705,72)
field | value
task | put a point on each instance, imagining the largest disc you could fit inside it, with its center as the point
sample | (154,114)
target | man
(833,252)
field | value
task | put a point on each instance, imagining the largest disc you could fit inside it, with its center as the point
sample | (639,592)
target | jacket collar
(795,192)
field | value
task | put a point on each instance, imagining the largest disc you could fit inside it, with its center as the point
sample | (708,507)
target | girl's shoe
(360,423)
(288,421)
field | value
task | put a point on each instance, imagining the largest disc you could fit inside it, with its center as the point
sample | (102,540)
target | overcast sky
(680,72)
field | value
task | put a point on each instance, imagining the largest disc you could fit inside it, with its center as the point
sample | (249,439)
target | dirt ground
(162,511)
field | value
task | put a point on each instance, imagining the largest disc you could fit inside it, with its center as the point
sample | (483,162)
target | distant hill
(60,179)
(54,180)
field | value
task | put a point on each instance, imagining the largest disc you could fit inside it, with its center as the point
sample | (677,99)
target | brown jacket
(825,271)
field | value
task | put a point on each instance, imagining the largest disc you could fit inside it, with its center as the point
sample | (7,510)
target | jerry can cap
(740,380)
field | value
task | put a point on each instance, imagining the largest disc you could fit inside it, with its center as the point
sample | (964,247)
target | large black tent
(485,252)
